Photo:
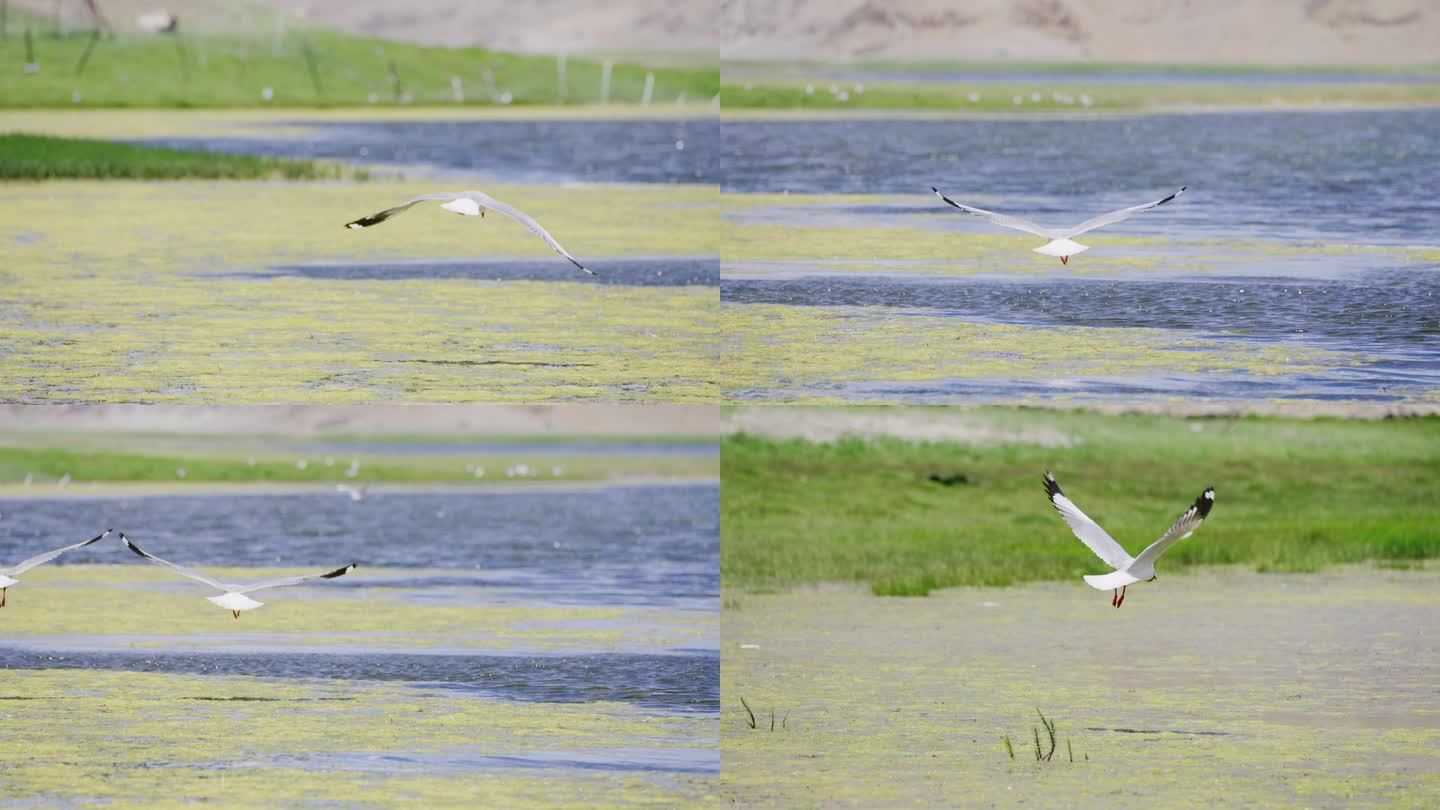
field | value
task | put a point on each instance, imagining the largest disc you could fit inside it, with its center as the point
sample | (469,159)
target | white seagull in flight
(234,598)
(1060,243)
(470,204)
(7,575)
(1128,569)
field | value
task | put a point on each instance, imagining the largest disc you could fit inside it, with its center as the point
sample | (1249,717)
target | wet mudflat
(1215,688)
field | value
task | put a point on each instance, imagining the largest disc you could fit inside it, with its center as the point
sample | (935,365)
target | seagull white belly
(234,601)
(1109,582)
(6,582)
(464,205)
(1062,247)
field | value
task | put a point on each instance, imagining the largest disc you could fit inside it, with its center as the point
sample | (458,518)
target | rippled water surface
(1327,176)
(674,682)
(639,272)
(556,644)
(655,546)
(655,151)
(1297,231)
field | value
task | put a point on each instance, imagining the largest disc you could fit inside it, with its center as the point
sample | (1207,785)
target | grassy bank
(1065,92)
(47,465)
(306,68)
(1291,496)
(41,157)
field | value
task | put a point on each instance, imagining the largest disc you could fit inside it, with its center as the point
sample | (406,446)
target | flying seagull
(355,493)
(1128,569)
(234,598)
(1060,238)
(470,204)
(7,575)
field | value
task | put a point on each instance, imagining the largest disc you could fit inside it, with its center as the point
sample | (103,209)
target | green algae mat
(1213,689)
(133,292)
(128,697)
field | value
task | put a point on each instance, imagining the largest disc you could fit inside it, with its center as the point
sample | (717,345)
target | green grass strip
(315,68)
(41,157)
(1291,495)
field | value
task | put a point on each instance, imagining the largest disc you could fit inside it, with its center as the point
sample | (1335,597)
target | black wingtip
(1204,502)
(340,572)
(1052,488)
(139,551)
(365,222)
(97,538)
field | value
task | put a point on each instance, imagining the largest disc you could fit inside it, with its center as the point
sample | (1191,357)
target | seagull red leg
(1114,596)
(1122,596)
(3,592)
(1064,259)
(236,613)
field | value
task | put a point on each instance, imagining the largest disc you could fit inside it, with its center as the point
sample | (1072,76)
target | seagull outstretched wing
(1003,220)
(1115,216)
(1086,529)
(282,581)
(482,201)
(1183,527)
(40,559)
(179,569)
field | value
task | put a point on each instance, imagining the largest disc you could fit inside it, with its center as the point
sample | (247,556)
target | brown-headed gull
(1060,244)
(470,204)
(234,599)
(1128,570)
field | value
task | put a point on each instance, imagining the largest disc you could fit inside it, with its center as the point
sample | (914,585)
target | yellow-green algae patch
(803,228)
(793,351)
(133,739)
(146,603)
(126,292)
(1281,690)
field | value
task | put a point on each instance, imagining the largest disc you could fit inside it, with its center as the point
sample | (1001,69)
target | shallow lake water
(569,637)
(296,308)
(1217,688)
(678,150)
(1298,231)
(642,545)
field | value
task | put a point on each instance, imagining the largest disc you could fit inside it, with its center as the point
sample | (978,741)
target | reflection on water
(657,151)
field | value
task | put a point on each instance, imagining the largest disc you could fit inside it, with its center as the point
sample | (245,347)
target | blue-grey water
(679,271)
(1234,260)
(631,151)
(1362,177)
(626,545)
(683,683)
